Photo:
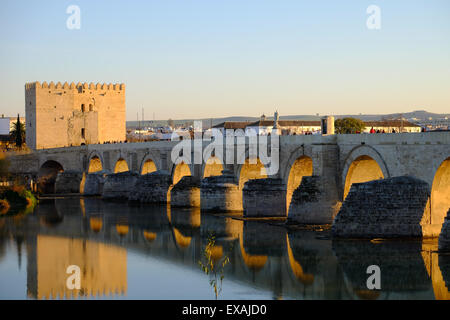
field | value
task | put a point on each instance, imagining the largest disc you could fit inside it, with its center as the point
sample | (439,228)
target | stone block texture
(186,193)
(118,186)
(264,198)
(152,188)
(93,185)
(68,182)
(389,208)
(444,237)
(313,202)
(220,194)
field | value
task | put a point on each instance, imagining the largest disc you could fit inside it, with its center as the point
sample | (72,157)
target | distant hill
(206,123)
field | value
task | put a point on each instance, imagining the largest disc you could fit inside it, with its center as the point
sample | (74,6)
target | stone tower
(64,115)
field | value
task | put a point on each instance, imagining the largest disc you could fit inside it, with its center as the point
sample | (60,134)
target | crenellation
(81,114)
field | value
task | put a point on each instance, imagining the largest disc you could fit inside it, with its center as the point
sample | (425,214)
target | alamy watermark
(374,280)
(374,20)
(73,22)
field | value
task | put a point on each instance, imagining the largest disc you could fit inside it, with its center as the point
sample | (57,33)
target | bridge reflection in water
(283,263)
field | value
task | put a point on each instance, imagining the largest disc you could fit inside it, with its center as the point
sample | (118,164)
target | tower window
(82,108)
(82,133)
(91,107)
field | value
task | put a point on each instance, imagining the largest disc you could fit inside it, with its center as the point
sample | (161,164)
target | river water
(157,252)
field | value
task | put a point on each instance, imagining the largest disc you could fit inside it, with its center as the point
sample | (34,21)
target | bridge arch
(47,176)
(299,168)
(440,193)
(253,262)
(363,164)
(179,171)
(95,163)
(148,164)
(121,165)
(250,171)
(212,167)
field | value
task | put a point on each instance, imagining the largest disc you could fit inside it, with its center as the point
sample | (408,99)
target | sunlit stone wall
(186,193)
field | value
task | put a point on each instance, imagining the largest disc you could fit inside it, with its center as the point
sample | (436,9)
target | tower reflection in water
(284,263)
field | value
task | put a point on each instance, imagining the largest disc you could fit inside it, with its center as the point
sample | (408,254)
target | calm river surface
(152,252)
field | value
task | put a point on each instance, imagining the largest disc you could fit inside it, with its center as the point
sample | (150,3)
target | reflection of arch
(251,171)
(301,167)
(122,229)
(440,193)
(148,166)
(363,164)
(95,164)
(179,171)
(212,167)
(47,176)
(368,294)
(96,224)
(296,268)
(121,166)
(253,262)
(181,240)
(149,236)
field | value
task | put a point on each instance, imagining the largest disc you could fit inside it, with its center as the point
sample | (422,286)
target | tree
(170,123)
(349,125)
(18,132)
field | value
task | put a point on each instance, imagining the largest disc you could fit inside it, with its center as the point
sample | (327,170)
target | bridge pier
(186,193)
(68,182)
(118,186)
(313,202)
(388,208)
(264,198)
(93,185)
(220,193)
(444,237)
(152,188)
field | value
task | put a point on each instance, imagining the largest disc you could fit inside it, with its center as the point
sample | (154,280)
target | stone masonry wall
(152,188)
(313,203)
(186,193)
(264,198)
(68,182)
(444,237)
(388,208)
(94,183)
(220,193)
(118,186)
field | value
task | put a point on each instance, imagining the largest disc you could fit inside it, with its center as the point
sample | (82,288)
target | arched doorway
(121,166)
(213,167)
(95,165)
(301,167)
(251,171)
(362,169)
(440,193)
(47,176)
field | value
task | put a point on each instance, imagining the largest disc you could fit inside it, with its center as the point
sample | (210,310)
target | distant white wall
(4,126)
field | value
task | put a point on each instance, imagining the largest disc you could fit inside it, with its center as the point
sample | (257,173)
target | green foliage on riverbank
(16,199)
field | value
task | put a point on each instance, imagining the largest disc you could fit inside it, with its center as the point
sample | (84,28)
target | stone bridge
(314,177)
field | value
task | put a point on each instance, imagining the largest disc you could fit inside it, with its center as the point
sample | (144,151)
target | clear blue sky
(196,59)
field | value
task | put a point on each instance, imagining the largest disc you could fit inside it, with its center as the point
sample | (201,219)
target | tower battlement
(86,86)
(69,114)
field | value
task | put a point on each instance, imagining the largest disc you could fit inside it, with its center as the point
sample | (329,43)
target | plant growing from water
(213,264)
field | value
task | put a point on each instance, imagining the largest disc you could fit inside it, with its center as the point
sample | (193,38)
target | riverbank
(16,199)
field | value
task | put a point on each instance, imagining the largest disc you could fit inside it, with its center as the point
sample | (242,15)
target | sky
(211,58)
